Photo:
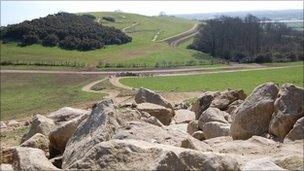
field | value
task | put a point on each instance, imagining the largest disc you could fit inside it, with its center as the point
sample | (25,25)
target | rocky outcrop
(164,115)
(66,113)
(297,132)
(183,116)
(148,96)
(60,136)
(226,98)
(288,108)
(117,154)
(253,116)
(37,141)
(40,124)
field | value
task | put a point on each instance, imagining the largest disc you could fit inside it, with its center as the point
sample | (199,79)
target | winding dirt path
(130,26)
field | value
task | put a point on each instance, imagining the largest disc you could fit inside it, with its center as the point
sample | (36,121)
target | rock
(66,113)
(227,97)
(164,115)
(261,164)
(148,96)
(213,115)
(253,116)
(215,129)
(192,127)
(288,108)
(60,136)
(126,154)
(181,127)
(199,135)
(202,103)
(233,106)
(146,117)
(6,167)
(31,159)
(37,141)
(13,123)
(182,105)
(183,116)
(154,134)
(297,132)
(6,155)
(100,126)
(57,161)
(2,125)
(290,162)
(40,124)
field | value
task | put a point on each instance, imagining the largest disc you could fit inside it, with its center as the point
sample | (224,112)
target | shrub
(108,18)
(89,16)
(70,42)
(29,39)
(50,40)
(263,58)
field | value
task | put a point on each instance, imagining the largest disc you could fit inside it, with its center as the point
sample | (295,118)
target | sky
(17,11)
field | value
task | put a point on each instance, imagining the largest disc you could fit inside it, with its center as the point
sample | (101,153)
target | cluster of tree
(68,31)
(249,40)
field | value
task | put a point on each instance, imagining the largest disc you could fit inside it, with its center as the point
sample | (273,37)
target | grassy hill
(141,52)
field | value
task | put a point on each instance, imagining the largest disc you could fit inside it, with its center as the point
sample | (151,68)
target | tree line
(249,40)
(68,31)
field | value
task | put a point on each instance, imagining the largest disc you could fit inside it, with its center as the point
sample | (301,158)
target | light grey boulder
(66,113)
(141,155)
(40,124)
(183,116)
(37,141)
(215,129)
(6,167)
(288,108)
(253,116)
(164,115)
(213,115)
(148,96)
(261,164)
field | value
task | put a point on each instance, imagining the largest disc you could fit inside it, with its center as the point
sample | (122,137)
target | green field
(140,52)
(28,94)
(246,80)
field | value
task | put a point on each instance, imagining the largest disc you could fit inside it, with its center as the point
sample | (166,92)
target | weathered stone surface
(146,117)
(40,124)
(261,164)
(297,132)
(60,136)
(6,155)
(213,115)
(233,106)
(37,141)
(227,97)
(202,103)
(192,127)
(290,162)
(148,96)
(6,167)
(13,123)
(288,108)
(181,127)
(215,129)
(98,127)
(183,116)
(164,115)
(66,113)
(2,125)
(31,159)
(199,135)
(253,116)
(117,154)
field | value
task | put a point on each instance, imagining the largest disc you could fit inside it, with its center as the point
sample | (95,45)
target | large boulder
(148,96)
(261,164)
(288,108)
(146,117)
(40,124)
(141,155)
(215,129)
(37,141)
(297,132)
(213,115)
(183,116)
(66,113)
(233,106)
(253,116)
(164,115)
(25,158)
(227,97)
(203,102)
(60,136)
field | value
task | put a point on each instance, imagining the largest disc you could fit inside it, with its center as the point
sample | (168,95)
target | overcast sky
(17,11)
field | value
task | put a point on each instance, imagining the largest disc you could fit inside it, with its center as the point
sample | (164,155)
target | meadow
(141,52)
(246,80)
(23,95)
